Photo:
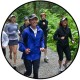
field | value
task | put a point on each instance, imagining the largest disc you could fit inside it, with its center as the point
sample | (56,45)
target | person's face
(43,17)
(26,22)
(13,19)
(33,22)
(64,23)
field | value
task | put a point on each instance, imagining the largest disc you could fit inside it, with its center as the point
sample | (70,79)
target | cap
(64,18)
(25,18)
(12,16)
(33,16)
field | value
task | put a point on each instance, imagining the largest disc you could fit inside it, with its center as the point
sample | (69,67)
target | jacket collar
(63,27)
(38,28)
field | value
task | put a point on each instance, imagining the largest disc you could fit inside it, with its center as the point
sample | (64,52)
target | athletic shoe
(60,69)
(46,60)
(65,66)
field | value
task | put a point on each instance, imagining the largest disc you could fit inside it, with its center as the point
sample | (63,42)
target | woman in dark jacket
(61,36)
(43,23)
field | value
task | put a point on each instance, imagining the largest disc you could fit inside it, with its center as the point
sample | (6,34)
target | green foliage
(54,14)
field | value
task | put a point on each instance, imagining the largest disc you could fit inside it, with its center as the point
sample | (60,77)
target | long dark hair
(60,24)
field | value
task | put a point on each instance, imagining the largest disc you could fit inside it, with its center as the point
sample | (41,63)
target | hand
(43,23)
(62,37)
(73,41)
(14,31)
(27,51)
(42,49)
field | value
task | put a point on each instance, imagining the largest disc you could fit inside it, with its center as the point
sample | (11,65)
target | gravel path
(46,69)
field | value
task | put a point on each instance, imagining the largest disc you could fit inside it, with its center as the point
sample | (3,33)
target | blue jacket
(31,42)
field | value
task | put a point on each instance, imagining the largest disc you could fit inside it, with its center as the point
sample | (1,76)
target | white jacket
(5,39)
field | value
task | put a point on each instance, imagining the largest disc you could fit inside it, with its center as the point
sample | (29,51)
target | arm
(5,28)
(21,29)
(42,43)
(6,40)
(18,31)
(42,40)
(22,46)
(55,36)
(47,26)
(70,35)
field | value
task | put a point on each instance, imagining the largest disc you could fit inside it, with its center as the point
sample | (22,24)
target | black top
(22,28)
(60,32)
(44,26)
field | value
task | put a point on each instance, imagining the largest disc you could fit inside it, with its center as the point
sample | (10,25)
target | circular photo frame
(40,39)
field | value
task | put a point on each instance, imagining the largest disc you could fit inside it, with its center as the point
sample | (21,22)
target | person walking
(25,25)
(61,36)
(31,46)
(12,32)
(43,23)
(5,41)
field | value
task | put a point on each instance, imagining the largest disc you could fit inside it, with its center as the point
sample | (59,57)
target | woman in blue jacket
(31,46)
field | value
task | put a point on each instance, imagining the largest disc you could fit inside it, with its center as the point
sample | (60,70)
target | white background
(6,71)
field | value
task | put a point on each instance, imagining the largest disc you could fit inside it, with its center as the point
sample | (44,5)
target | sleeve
(5,28)
(55,36)
(6,40)
(20,29)
(70,35)
(42,40)
(18,32)
(47,23)
(17,27)
(47,27)
(22,45)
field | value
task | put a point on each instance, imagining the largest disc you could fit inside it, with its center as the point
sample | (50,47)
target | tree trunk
(34,5)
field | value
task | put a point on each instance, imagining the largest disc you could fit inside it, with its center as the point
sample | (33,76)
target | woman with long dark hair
(61,36)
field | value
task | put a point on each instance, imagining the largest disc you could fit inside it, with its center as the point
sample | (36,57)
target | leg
(10,48)
(68,55)
(36,68)
(60,63)
(28,66)
(45,43)
(60,54)
(45,52)
(15,53)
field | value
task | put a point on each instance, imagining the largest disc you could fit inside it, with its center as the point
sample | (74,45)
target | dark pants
(28,65)
(64,49)
(4,51)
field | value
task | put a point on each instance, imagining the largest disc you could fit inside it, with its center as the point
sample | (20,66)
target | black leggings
(28,66)
(66,50)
